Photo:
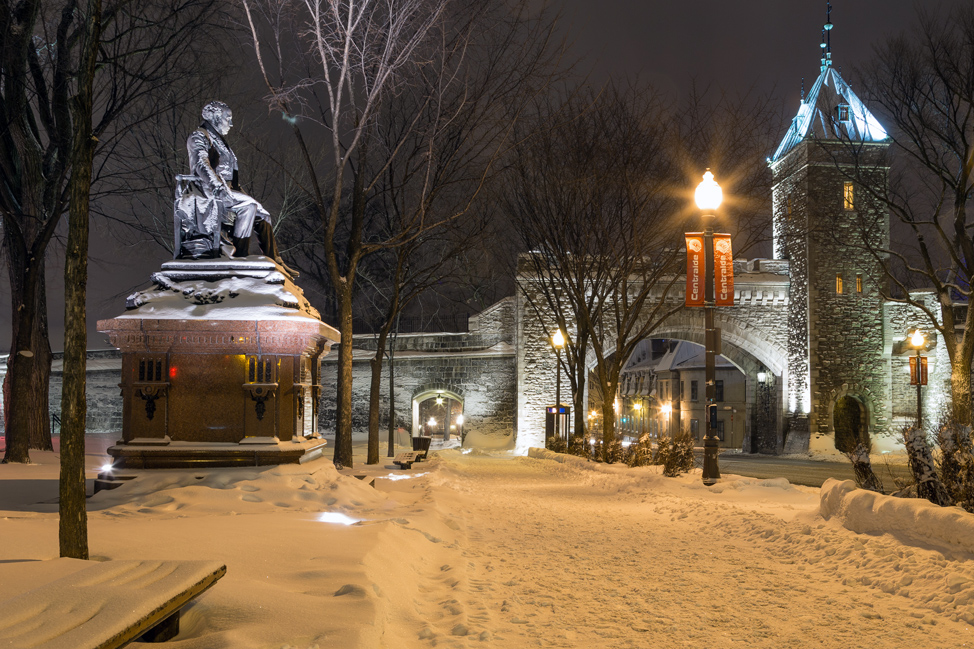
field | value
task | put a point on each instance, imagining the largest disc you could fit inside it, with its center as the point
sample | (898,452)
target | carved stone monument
(220,366)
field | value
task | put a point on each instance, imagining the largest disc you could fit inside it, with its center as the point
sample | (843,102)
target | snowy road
(558,556)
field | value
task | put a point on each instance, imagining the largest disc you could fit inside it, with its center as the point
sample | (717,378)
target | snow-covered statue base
(220,366)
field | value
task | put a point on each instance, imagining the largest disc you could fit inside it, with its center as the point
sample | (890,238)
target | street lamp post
(708,197)
(917,341)
(558,341)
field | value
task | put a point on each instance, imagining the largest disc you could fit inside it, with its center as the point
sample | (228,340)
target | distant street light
(918,371)
(708,197)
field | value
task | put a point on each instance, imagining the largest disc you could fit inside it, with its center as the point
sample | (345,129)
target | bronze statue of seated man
(210,199)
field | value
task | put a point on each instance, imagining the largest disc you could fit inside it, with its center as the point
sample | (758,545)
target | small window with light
(848,196)
(838,284)
(843,111)
(858,283)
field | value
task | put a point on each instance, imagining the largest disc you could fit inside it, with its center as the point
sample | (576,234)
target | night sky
(764,46)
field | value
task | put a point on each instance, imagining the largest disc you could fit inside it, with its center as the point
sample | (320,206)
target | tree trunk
(579,399)
(392,396)
(608,424)
(960,386)
(27,418)
(374,389)
(73,529)
(343,398)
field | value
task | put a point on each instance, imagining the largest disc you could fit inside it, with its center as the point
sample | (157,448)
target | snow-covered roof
(831,111)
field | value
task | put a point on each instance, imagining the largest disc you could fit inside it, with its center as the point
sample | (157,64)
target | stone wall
(478,367)
(902,318)
(103,394)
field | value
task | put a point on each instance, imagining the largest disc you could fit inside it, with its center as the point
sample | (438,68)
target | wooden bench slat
(103,606)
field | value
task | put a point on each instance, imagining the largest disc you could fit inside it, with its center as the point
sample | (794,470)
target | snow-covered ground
(473,550)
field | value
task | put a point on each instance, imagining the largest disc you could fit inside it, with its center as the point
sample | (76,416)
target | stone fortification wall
(901,319)
(102,391)
(478,366)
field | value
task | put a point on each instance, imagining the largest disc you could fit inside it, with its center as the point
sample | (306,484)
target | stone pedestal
(220,367)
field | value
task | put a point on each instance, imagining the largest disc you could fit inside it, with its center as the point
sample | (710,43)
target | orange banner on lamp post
(695,269)
(723,270)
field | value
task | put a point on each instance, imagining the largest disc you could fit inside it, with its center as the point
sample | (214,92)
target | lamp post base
(711,472)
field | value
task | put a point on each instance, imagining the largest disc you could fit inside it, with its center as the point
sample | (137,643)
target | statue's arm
(199,158)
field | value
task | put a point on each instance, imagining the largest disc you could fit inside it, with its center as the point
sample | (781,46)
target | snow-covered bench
(104,605)
(406,458)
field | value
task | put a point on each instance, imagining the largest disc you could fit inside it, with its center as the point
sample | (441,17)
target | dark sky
(758,45)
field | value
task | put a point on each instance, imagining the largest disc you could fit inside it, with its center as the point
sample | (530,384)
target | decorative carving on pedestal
(149,393)
(259,394)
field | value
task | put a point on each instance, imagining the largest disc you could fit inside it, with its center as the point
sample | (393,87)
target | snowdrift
(867,512)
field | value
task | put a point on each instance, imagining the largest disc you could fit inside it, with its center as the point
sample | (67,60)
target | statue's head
(219,115)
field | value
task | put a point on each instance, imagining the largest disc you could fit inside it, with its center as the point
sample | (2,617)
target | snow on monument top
(252,288)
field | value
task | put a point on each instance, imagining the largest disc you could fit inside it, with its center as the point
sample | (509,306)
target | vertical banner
(723,270)
(695,269)
(918,372)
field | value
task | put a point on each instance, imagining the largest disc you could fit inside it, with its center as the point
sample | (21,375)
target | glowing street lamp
(918,372)
(708,197)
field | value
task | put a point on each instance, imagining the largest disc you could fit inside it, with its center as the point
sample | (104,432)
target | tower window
(858,283)
(843,110)
(848,196)
(788,208)
(838,283)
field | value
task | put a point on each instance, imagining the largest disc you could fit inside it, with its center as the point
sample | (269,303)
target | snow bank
(868,512)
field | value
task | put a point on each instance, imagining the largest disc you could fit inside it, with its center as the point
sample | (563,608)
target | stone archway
(452,403)
(759,357)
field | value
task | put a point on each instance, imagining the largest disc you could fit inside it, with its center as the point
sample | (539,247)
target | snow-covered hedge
(869,512)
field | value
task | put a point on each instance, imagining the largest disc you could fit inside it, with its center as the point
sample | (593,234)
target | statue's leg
(266,241)
(246,213)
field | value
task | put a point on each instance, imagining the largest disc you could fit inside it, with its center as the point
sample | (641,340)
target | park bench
(406,458)
(103,605)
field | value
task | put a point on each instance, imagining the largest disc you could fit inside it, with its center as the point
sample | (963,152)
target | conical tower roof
(831,111)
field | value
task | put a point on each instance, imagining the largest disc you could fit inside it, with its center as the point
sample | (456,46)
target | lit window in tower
(838,283)
(848,201)
(858,283)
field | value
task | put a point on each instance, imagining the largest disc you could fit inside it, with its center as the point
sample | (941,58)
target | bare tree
(594,202)
(142,47)
(923,87)
(355,60)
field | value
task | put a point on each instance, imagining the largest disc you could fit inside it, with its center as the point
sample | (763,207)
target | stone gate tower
(825,223)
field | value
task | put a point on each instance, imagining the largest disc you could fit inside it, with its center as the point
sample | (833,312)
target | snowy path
(477,551)
(563,557)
